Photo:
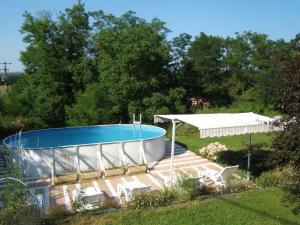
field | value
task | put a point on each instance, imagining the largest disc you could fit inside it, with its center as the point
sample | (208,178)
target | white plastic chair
(217,177)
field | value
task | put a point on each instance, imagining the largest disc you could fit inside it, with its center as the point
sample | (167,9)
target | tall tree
(286,144)
(132,57)
(206,55)
(54,51)
(238,65)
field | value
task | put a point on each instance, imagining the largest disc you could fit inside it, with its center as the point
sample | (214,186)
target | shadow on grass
(181,144)
(258,160)
(259,212)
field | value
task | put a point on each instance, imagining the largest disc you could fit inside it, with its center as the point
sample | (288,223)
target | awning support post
(249,155)
(172,149)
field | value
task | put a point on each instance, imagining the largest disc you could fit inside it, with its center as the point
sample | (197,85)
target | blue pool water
(69,136)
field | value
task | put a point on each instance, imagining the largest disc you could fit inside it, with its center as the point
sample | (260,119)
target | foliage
(53,214)
(18,207)
(54,49)
(284,177)
(132,73)
(93,68)
(151,199)
(222,70)
(269,179)
(186,130)
(21,214)
(237,181)
(188,188)
(286,144)
(91,107)
(278,177)
(160,103)
(251,207)
(206,54)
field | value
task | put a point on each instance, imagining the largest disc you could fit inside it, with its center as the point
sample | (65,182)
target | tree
(238,65)
(91,107)
(286,144)
(54,51)
(206,57)
(132,57)
(169,103)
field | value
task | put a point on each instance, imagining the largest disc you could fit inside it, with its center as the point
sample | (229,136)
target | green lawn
(252,207)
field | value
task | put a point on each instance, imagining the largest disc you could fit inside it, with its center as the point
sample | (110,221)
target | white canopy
(223,124)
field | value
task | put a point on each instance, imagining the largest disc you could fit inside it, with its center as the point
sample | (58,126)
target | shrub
(285,178)
(188,188)
(19,215)
(280,177)
(269,179)
(187,130)
(53,214)
(109,203)
(237,181)
(151,199)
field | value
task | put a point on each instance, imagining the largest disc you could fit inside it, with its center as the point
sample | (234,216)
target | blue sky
(278,19)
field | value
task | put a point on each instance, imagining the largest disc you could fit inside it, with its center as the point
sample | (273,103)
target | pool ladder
(137,123)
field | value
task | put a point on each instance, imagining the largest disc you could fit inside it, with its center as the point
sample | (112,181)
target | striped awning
(223,124)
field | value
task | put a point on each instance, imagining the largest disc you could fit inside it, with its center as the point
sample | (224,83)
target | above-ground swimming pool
(59,151)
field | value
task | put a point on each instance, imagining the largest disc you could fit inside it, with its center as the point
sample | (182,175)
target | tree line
(85,67)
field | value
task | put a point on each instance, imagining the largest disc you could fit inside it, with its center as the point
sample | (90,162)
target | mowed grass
(252,207)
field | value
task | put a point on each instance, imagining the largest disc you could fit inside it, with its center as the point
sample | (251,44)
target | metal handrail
(26,187)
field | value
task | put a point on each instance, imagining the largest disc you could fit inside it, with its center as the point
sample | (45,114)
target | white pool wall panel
(39,162)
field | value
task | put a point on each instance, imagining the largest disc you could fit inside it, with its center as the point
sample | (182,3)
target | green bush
(109,203)
(53,214)
(187,130)
(151,199)
(237,181)
(286,178)
(269,179)
(280,177)
(19,215)
(188,188)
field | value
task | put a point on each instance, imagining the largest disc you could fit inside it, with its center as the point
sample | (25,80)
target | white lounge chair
(217,177)
(90,195)
(131,188)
